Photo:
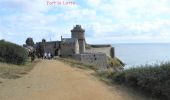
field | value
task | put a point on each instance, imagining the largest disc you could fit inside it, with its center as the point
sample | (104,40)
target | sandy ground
(54,80)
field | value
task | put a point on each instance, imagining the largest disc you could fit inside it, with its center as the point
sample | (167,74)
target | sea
(134,55)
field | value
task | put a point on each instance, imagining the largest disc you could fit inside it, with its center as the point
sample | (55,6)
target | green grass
(153,80)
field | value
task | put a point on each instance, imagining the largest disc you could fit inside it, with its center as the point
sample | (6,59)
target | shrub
(119,77)
(115,63)
(29,42)
(12,53)
(151,79)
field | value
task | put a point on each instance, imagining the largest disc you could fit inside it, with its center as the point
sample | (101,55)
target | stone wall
(109,51)
(98,59)
(78,33)
(49,47)
(69,47)
(81,45)
(100,45)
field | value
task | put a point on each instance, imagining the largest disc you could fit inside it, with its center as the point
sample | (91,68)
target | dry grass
(10,71)
(77,64)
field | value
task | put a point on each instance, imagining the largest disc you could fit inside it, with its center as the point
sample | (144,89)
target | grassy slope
(78,64)
(10,71)
(154,80)
(112,63)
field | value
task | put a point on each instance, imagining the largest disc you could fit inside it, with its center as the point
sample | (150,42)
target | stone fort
(77,48)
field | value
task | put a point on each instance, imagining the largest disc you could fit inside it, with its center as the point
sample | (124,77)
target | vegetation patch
(12,53)
(153,80)
(78,64)
(11,71)
(115,64)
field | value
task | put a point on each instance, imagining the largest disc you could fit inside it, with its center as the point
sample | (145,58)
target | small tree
(43,40)
(29,42)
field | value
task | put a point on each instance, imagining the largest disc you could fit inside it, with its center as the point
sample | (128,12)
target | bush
(151,79)
(115,63)
(119,77)
(12,53)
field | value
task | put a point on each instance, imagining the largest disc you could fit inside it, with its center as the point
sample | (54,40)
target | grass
(115,64)
(78,64)
(11,71)
(153,80)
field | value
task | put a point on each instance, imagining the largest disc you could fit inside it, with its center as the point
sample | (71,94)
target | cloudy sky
(105,21)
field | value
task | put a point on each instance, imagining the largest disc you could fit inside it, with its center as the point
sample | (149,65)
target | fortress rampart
(75,47)
(97,59)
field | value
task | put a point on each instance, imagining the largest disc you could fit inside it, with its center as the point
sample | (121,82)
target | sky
(104,21)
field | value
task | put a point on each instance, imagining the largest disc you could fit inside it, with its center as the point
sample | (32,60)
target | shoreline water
(136,54)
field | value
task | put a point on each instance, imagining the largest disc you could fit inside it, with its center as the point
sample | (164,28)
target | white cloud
(130,9)
(114,19)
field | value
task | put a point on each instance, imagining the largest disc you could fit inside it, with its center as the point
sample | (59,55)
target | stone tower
(78,32)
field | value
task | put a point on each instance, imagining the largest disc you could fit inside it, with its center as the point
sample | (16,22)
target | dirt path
(54,80)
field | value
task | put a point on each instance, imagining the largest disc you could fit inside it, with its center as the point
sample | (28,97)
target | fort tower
(78,32)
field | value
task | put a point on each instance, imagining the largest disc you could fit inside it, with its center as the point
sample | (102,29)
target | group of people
(47,55)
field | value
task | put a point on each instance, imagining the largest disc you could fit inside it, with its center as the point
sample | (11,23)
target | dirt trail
(54,80)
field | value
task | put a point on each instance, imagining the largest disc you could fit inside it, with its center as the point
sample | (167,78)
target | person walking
(45,55)
(49,55)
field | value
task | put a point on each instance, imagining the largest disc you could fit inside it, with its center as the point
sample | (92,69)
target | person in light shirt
(45,55)
(49,55)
